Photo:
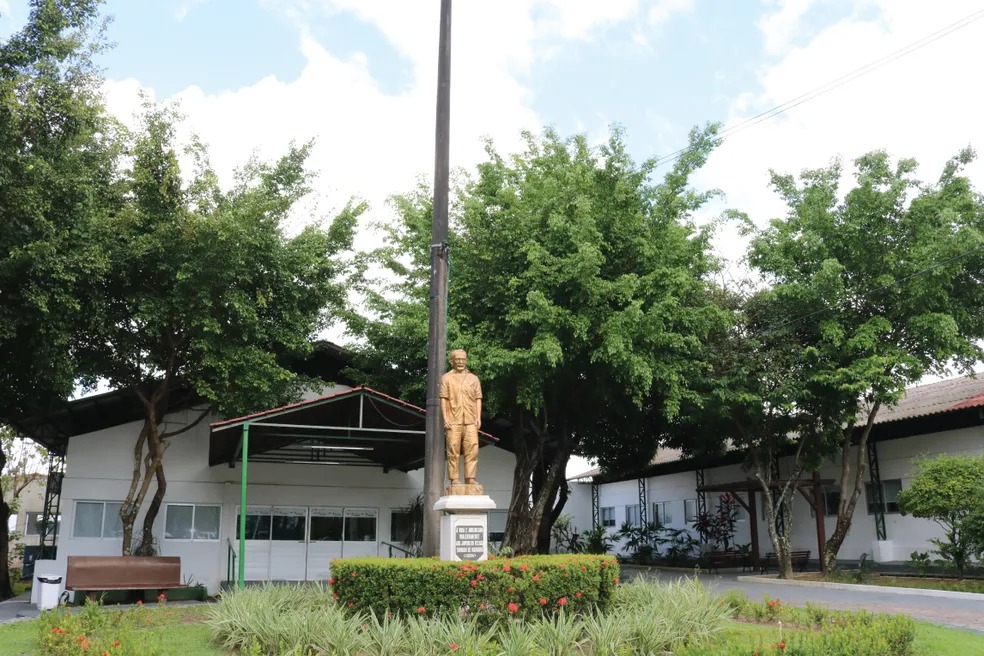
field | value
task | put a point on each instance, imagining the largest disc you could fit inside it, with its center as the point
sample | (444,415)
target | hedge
(526,586)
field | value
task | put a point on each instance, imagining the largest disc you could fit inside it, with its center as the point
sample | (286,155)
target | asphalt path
(955,613)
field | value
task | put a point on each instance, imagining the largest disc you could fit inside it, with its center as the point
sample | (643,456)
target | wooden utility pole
(437,334)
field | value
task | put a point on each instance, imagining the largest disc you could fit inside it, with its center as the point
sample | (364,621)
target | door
(288,543)
(257,542)
(360,532)
(325,542)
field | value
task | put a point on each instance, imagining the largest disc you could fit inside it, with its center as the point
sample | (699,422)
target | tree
(57,168)
(21,464)
(578,288)
(879,288)
(950,491)
(204,290)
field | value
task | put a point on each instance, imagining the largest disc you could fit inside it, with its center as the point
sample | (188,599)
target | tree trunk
(6,590)
(145,468)
(147,546)
(849,494)
(780,543)
(521,530)
(549,518)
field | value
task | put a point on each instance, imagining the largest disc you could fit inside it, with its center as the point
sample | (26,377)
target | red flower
(577,594)
(480,577)
(781,644)
(421,610)
(583,568)
(543,601)
(140,602)
(506,568)
(513,607)
(116,643)
(349,605)
(562,601)
(454,646)
(334,595)
(481,607)
(510,589)
(774,603)
(616,580)
(58,630)
(524,567)
(105,653)
(474,583)
(353,575)
(536,578)
(331,581)
(604,563)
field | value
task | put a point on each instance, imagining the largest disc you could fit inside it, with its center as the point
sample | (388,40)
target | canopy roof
(357,427)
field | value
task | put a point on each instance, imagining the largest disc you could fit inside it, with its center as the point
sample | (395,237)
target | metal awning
(359,427)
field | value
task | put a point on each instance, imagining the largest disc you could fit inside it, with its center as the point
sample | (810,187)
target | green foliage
(641,541)
(597,540)
(140,631)
(646,618)
(528,586)
(813,631)
(919,562)
(579,288)
(948,490)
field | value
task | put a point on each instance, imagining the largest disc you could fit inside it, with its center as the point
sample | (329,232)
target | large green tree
(21,463)
(578,287)
(206,290)
(880,287)
(57,167)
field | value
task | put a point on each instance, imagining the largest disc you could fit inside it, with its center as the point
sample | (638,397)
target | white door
(257,542)
(288,544)
(361,537)
(325,541)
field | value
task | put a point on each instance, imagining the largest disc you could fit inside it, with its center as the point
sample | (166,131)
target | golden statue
(461,406)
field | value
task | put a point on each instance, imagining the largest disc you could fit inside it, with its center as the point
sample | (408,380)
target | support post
(437,330)
(877,498)
(643,515)
(818,511)
(753,529)
(241,579)
(701,500)
(595,509)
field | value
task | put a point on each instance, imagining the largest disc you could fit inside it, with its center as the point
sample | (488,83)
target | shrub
(96,630)
(527,586)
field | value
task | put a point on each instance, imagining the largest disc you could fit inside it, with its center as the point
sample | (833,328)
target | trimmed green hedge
(526,586)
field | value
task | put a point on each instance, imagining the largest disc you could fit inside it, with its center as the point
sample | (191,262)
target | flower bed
(527,586)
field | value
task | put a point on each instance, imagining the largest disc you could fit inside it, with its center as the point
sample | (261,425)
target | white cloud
(780,27)
(663,10)
(185,8)
(922,105)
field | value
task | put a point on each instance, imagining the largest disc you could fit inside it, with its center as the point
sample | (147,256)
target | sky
(359,77)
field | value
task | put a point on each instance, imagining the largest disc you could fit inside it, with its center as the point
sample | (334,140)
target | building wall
(905,534)
(30,502)
(99,467)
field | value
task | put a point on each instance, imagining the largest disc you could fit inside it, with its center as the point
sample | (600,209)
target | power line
(835,83)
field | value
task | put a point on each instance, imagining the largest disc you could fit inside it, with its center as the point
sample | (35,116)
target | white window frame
(690,511)
(867,496)
(194,513)
(661,513)
(601,516)
(638,514)
(102,521)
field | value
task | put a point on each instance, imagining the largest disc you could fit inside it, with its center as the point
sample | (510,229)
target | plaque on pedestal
(464,526)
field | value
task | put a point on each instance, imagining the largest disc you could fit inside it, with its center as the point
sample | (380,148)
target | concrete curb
(910,592)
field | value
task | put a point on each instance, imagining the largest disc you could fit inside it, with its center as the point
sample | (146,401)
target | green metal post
(242,508)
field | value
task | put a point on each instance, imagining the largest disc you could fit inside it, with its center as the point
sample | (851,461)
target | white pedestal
(883,551)
(465,526)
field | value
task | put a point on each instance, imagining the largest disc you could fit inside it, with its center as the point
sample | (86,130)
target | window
(608,516)
(632,515)
(404,528)
(360,525)
(185,521)
(97,519)
(33,524)
(661,513)
(890,496)
(690,510)
(497,525)
(831,500)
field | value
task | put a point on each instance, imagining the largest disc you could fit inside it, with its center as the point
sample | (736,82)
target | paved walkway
(955,613)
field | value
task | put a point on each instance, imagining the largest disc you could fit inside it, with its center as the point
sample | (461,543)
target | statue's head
(459,359)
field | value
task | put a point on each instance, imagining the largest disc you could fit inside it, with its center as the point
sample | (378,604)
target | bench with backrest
(799,559)
(94,574)
(717,559)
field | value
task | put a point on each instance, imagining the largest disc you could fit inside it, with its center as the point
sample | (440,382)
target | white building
(944,417)
(327,477)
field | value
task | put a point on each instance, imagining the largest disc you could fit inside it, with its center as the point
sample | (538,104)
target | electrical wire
(833,84)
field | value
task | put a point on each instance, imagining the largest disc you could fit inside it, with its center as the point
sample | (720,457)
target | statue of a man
(461,405)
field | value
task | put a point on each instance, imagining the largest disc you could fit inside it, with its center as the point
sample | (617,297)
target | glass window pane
(33,523)
(112,524)
(497,525)
(257,527)
(690,510)
(360,529)
(288,527)
(401,525)
(326,529)
(891,491)
(178,522)
(207,522)
(88,520)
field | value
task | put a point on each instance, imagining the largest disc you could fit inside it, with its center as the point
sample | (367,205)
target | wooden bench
(717,559)
(94,574)
(798,559)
